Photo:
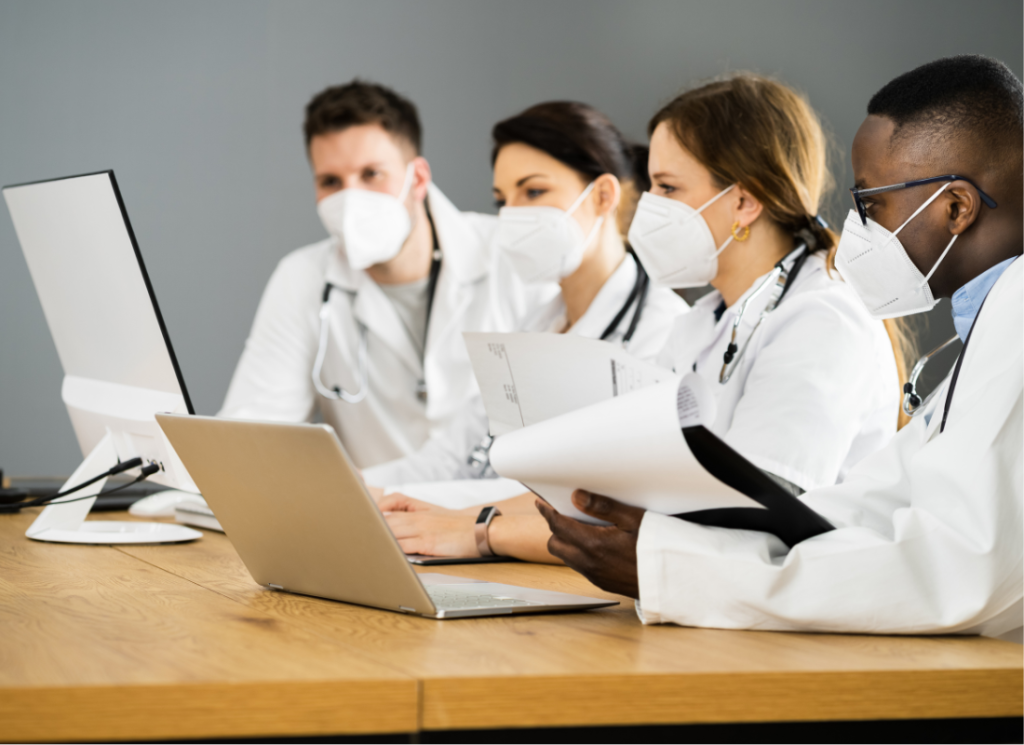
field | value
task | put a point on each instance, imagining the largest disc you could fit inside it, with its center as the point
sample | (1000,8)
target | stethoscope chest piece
(912,401)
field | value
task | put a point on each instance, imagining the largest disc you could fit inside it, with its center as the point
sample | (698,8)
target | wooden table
(165,642)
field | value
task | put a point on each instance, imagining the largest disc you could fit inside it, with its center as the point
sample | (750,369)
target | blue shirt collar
(968,299)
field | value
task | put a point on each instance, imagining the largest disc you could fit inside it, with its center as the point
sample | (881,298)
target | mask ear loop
(918,211)
(580,198)
(707,204)
(946,251)
(949,245)
(597,223)
(407,184)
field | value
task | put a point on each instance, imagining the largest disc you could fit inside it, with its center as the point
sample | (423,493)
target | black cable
(147,471)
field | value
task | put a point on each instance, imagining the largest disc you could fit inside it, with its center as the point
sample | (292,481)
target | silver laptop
(296,510)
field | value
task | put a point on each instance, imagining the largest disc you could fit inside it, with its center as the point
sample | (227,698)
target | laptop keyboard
(454,598)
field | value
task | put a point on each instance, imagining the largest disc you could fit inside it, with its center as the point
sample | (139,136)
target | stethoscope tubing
(337,392)
(782,279)
(638,295)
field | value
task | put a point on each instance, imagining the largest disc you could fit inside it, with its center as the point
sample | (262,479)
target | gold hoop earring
(743,233)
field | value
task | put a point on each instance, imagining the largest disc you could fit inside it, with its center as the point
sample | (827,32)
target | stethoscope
(479,457)
(337,393)
(637,296)
(913,404)
(780,279)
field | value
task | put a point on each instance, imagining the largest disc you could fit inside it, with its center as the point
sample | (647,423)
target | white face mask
(674,242)
(371,227)
(544,244)
(875,264)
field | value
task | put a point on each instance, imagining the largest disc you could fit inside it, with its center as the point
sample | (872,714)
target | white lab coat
(444,458)
(273,379)
(816,390)
(928,538)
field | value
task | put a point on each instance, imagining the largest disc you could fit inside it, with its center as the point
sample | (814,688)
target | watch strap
(480,530)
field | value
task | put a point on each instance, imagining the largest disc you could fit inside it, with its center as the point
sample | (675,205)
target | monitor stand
(66,523)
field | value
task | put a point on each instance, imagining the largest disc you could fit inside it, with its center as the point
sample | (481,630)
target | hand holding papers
(630,448)
(571,413)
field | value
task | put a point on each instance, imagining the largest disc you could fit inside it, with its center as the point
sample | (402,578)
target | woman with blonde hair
(807,382)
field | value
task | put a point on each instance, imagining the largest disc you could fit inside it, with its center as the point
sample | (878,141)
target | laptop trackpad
(434,578)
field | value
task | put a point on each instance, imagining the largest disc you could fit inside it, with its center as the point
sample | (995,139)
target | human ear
(962,207)
(421,178)
(607,194)
(748,207)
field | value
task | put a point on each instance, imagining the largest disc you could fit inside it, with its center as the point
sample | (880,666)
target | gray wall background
(197,106)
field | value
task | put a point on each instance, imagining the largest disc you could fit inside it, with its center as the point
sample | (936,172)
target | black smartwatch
(483,522)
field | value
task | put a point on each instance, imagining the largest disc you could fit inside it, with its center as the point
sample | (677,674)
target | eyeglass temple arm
(989,201)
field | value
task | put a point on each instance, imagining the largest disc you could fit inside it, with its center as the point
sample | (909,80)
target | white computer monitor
(119,366)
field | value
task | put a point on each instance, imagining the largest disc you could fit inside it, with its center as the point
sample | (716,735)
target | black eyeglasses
(857,194)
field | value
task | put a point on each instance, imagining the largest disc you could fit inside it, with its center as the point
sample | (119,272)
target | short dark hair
(359,102)
(957,95)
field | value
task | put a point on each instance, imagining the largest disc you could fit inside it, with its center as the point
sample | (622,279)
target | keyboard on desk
(455,597)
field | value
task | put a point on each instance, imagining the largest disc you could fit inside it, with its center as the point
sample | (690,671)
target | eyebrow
(660,175)
(524,179)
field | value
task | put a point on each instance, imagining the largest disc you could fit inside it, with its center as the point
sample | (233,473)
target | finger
(623,516)
(566,551)
(403,525)
(393,503)
(410,545)
(571,541)
(546,510)
(558,523)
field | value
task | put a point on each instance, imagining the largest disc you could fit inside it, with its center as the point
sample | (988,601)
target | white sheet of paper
(528,378)
(630,447)
(457,495)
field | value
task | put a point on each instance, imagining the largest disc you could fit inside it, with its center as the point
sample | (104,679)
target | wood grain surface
(178,641)
(98,645)
(605,667)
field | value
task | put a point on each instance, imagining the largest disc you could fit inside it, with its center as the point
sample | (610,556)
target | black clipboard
(785,515)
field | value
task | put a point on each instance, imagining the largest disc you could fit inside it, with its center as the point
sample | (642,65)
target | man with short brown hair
(366,326)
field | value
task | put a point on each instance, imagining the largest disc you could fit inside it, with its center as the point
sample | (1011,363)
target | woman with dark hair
(567,184)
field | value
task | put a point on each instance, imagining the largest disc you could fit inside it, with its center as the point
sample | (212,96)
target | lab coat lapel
(692,332)
(464,266)
(608,302)
(372,308)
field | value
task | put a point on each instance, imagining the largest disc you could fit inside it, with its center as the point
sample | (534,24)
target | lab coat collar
(460,246)
(697,331)
(464,267)
(608,301)
(709,303)
(372,308)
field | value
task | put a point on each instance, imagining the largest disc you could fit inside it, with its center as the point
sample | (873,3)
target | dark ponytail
(584,139)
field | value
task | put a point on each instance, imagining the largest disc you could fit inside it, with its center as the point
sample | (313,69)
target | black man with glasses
(928,532)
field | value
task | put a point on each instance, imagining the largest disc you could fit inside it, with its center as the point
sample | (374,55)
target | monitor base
(107,532)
